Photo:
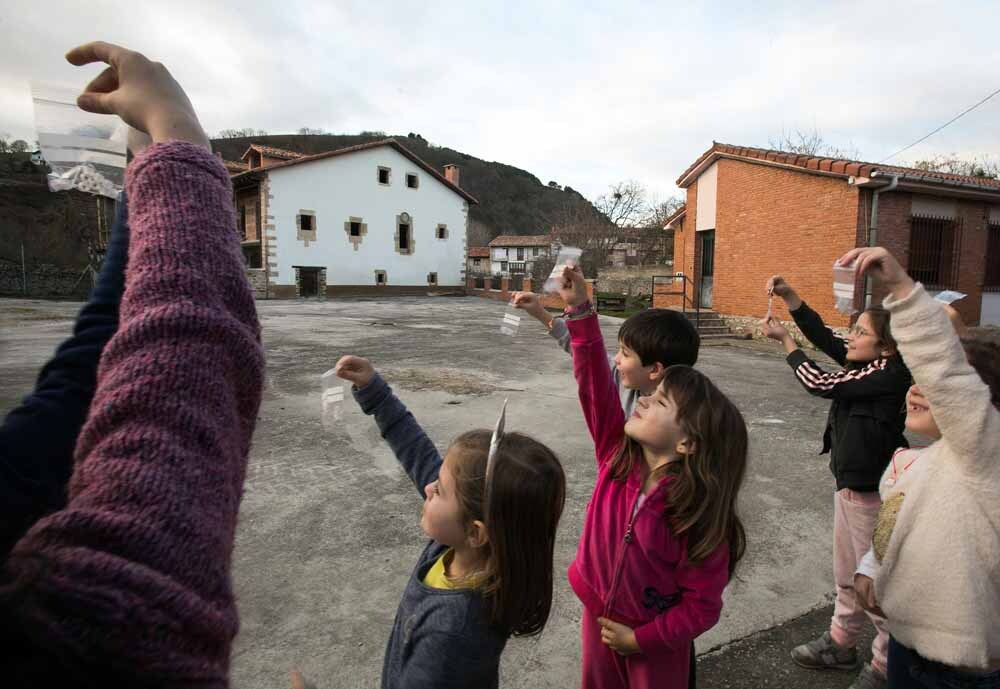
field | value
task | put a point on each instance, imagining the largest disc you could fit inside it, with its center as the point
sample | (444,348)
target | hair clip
(495,442)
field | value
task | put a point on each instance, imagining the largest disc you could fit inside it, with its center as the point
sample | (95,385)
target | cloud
(583,93)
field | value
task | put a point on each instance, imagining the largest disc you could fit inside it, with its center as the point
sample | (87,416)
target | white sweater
(939,580)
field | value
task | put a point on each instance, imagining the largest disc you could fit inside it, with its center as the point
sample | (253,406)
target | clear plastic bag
(568,256)
(949,296)
(844,278)
(511,321)
(84,150)
(333,399)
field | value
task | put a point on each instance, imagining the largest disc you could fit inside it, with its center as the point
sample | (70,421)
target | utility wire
(956,117)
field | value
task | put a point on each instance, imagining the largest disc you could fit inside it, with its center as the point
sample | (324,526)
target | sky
(583,93)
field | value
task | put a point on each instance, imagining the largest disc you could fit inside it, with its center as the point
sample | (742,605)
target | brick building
(752,212)
(369,219)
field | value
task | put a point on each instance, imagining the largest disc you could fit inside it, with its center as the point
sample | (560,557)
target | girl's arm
(599,398)
(876,379)
(412,447)
(37,438)
(959,399)
(700,605)
(812,326)
(130,582)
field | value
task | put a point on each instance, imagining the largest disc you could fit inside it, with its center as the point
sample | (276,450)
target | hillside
(511,201)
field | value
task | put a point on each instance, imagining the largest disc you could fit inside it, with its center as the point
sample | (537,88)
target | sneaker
(823,654)
(868,678)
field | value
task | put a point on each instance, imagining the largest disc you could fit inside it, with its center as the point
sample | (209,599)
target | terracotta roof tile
(479,252)
(272,152)
(522,240)
(835,166)
(405,152)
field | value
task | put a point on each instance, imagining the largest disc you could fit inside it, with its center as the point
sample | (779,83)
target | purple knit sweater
(130,583)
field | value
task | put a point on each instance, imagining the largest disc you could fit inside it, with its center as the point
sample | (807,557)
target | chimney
(451,174)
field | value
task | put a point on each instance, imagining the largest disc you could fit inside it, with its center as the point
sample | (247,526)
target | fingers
(96,51)
(100,103)
(105,82)
(849,258)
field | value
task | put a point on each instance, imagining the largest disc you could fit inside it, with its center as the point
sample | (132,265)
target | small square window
(306,223)
(383,175)
(441,232)
(411,181)
(355,229)
(432,278)
(503,266)
(534,252)
(475,262)
(380,277)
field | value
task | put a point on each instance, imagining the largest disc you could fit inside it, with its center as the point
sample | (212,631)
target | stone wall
(751,325)
(635,280)
(44,280)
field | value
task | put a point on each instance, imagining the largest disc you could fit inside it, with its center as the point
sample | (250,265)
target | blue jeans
(907,670)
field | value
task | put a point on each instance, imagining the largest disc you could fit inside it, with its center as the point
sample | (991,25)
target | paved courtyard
(329,524)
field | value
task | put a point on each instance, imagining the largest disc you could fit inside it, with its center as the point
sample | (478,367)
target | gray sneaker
(868,678)
(823,654)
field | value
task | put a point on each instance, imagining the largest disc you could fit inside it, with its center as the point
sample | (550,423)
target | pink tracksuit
(630,567)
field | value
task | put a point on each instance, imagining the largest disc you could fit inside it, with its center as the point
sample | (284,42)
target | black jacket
(37,438)
(867,417)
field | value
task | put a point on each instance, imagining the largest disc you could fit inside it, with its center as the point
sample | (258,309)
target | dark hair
(984,356)
(880,325)
(661,335)
(521,512)
(701,501)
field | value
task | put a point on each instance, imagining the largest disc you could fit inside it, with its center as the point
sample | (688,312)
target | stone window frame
(433,281)
(305,236)
(381,274)
(441,231)
(388,175)
(404,218)
(355,240)
(416,180)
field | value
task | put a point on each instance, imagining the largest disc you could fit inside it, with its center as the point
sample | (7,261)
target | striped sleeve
(872,380)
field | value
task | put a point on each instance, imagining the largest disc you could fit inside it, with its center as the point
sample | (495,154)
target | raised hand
(141,92)
(355,369)
(881,265)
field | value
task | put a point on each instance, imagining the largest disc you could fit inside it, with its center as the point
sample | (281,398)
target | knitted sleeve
(130,583)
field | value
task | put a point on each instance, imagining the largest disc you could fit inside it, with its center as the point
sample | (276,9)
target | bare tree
(979,166)
(625,204)
(589,229)
(19,146)
(240,133)
(812,143)
(308,131)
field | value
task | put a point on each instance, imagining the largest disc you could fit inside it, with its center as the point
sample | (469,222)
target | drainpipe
(873,230)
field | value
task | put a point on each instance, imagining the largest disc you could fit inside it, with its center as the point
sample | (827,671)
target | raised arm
(596,386)
(959,399)
(399,428)
(876,379)
(808,321)
(37,438)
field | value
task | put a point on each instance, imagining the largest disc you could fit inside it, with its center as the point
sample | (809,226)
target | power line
(956,117)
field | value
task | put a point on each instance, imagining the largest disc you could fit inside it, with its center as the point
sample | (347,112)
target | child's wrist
(579,310)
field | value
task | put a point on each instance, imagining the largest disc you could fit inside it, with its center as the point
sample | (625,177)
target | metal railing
(685,282)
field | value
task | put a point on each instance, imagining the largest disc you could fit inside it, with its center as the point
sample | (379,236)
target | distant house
(753,212)
(36,158)
(478,261)
(515,255)
(372,218)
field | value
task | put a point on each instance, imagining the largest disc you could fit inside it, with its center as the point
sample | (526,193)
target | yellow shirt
(436,578)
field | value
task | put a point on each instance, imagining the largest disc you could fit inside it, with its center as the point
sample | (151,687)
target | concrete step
(715,330)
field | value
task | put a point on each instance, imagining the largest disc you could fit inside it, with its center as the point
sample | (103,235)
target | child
(935,560)
(128,584)
(37,438)
(486,573)
(661,537)
(863,428)
(648,342)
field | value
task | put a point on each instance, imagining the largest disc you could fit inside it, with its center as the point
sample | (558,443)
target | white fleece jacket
(939,580)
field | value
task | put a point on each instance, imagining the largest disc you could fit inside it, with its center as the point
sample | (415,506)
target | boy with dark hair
(648,342)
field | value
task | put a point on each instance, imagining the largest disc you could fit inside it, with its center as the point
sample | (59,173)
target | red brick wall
(895,209)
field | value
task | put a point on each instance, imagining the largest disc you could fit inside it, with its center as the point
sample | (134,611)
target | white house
(372,218)
(515,254)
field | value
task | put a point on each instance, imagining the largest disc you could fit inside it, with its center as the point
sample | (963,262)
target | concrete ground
(329,524)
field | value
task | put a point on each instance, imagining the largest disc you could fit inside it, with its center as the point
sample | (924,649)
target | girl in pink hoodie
(661,538)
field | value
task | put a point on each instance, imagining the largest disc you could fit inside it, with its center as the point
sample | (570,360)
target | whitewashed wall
(340,187)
